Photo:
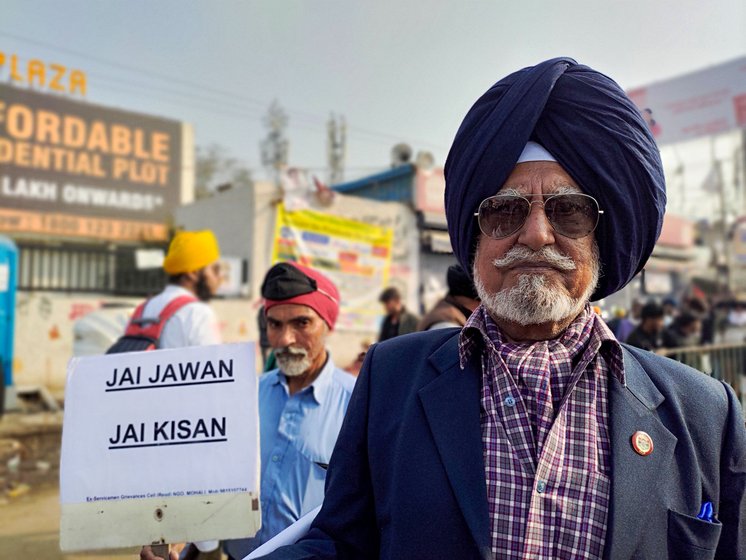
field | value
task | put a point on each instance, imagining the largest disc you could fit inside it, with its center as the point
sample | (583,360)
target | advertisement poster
(76,169)
(703,103)
(355,255)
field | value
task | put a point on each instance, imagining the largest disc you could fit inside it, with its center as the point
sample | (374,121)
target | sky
(398,71)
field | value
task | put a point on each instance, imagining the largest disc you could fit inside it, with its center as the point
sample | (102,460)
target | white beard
(293,362)
(534,300)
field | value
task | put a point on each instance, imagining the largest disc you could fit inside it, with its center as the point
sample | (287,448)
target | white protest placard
(160,447)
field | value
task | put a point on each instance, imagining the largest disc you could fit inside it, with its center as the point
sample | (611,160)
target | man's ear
(193,277)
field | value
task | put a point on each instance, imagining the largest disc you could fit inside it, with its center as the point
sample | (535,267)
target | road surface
(29,529)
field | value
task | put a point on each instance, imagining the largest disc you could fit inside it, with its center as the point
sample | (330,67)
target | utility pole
(274,148)
(336,148)
(739,187)
(718,175)
(740,168)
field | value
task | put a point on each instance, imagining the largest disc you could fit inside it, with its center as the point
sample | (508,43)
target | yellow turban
(191,250)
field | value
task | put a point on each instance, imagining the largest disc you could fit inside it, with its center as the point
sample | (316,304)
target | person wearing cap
(301,404)
(686,330)
(193,271)
(532,432)
(648,334)
(456,306)
(398,320)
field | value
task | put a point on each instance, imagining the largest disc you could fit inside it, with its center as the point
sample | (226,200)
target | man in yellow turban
(193,279)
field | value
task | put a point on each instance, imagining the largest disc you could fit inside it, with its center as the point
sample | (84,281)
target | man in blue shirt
(301,404)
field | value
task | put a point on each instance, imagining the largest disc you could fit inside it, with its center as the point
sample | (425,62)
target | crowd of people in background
(670,324)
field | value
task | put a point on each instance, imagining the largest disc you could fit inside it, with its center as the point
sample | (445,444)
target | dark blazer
(406,478)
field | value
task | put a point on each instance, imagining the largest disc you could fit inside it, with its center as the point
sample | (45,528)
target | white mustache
(520,254)
(290,352)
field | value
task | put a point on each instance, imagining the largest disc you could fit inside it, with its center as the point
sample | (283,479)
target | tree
(215,167)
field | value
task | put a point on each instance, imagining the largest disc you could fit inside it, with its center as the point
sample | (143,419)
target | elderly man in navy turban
(532,432)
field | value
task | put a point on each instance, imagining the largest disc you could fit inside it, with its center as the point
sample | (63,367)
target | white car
(99,330)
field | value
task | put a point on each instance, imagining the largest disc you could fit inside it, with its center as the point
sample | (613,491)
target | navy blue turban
(585,120)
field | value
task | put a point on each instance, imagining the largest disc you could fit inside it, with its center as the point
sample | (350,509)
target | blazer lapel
(634,477)
(451,404)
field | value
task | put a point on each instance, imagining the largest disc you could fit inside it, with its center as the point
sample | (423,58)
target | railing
(721,361)
(85,269)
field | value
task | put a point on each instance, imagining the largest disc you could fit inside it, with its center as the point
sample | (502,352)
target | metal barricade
(726,362)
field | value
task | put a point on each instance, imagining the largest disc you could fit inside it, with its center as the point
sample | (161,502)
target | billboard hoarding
(65,158)
(703,103)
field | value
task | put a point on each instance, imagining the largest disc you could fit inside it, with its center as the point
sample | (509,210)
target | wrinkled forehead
(291,311)
(539,178)
(549,191)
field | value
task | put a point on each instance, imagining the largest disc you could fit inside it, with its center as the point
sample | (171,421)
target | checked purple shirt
(545,434)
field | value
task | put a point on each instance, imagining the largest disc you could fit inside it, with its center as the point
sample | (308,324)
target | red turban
(291,283)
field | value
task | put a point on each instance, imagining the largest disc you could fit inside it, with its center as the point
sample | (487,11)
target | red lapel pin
(642,443)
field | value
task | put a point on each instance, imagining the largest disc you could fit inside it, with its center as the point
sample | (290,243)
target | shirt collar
(475,334)
(611,350)
(320,387)
(177,290)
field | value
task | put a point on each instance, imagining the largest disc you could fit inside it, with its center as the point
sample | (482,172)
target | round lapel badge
(642,443)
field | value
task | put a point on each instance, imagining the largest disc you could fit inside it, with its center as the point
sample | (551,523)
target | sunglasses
(573,215)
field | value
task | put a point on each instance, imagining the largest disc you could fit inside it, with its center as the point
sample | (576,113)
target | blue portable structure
(8,284)
(393,185)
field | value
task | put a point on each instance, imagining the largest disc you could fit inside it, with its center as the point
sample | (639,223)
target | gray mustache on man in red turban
(595,132)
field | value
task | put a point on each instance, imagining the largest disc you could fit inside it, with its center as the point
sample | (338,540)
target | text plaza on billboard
(37,73)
